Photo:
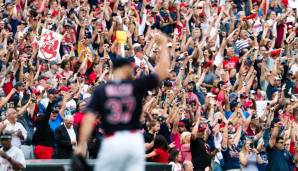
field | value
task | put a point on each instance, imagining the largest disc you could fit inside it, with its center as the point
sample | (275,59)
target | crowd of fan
(226,57)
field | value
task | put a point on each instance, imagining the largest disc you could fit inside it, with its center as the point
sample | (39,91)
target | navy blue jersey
(120,103)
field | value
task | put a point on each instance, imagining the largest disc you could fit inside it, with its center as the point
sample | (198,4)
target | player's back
(120,103)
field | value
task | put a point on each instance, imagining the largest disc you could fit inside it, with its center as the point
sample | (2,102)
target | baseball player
(119,102)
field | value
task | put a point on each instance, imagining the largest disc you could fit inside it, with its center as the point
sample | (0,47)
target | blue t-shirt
(245,114)
(55,123)
(263,166)
(231,158)
(278,160)
(270,91)
(228,114)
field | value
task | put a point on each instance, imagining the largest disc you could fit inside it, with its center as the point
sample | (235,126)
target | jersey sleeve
(93,103)
(146,83)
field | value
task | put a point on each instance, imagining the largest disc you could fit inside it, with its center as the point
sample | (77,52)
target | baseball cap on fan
(201,127)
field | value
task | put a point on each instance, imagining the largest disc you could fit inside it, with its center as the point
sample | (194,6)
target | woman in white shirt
(174,160)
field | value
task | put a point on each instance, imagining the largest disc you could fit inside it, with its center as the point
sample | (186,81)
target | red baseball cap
(183,4)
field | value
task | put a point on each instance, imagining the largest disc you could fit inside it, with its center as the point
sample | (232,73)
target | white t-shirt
(217,143)
(138,61)
(13,128)
(16,154)
(294,68)
(176,166)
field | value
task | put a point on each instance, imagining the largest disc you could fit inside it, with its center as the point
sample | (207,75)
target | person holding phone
(249,157)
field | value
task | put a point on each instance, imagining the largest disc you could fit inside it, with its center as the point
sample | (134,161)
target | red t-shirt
(77,118)
(232,62)
(8,86)
(92,78)
(287,118)
(175,137)
(296,89)
(162,156)
(250,132)
(70,37)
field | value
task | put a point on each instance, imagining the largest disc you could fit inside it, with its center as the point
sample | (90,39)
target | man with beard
(11,157)
(200,150)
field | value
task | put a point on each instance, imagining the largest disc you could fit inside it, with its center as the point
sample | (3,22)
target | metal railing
(64,165)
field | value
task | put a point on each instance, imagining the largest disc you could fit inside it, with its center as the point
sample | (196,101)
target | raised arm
(6,99)
(274,134)
(163,65)
(224,143)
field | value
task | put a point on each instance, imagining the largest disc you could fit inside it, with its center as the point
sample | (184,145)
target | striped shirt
(241,44)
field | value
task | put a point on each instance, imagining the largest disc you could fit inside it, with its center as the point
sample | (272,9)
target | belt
(108,135)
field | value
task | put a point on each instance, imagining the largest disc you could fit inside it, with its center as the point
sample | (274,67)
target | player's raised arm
(163,65)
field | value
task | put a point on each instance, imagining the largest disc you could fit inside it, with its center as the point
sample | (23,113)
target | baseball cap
(233,103)
(88,34)
(18,84)
(64,88)
(243,95)
(35,91)
(135,45)
(220,83)
(6,136)
(181,124)
(53,91)
(248,62)
(168,83)
(210,95)
(68,24)
(41,77)
(55,111)
(233,96)
(53,63)
(277,78)
(290,73)
(161,118)
(183,4)
(120,62)
(201,128)
(8,4)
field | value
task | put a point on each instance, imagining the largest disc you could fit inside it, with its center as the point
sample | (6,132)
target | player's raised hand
(80,150)
(161,38)
(163,65)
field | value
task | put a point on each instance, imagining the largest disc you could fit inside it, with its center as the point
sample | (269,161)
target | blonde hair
(183,136)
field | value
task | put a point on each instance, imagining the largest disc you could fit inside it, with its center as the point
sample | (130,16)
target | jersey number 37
(121,110)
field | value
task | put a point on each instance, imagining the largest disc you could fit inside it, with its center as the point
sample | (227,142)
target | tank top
(252,162)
